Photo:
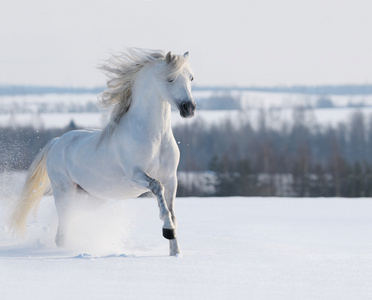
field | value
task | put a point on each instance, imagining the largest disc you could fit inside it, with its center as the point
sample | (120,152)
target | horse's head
(178,77)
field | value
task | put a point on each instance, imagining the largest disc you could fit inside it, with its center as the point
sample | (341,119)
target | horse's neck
(152,114)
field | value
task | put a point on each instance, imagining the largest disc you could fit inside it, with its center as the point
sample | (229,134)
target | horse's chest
(162,160)
(156,158)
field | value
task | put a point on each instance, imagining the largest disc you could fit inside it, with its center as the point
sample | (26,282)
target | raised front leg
(157,188)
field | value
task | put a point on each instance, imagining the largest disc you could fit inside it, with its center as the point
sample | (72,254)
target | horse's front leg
(170,195)
(157,188)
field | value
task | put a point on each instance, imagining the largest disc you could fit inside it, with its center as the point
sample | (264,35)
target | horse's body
(135,153)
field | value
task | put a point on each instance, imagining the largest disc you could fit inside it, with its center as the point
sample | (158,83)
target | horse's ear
(186,55)
(168,58)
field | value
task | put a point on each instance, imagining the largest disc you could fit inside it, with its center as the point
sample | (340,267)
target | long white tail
(37,184)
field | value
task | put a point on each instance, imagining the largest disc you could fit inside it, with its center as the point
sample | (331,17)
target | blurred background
(284,88)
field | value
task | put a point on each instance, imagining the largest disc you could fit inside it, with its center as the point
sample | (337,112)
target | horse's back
(74,139)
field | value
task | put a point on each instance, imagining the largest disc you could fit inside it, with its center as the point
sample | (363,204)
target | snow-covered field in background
(276,118)
(249,100)
(233,248)
(57,110)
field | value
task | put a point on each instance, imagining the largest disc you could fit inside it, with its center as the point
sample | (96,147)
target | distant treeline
(302,158)
(347,89)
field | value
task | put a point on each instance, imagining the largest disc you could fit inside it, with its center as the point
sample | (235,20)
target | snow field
(233,248)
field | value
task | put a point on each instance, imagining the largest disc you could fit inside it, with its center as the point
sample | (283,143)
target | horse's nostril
(184,106)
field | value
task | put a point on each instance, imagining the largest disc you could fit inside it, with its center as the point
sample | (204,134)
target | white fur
(136,152)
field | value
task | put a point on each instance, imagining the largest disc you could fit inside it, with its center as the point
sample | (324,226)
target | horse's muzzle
(187,109)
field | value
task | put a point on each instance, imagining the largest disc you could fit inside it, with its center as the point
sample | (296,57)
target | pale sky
(231,43)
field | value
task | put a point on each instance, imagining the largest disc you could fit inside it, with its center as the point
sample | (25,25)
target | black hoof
(169,234)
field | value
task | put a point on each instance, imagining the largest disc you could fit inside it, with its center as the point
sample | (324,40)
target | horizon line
(324,89)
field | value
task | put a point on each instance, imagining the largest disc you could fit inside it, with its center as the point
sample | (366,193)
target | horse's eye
(192,78)
(170,80)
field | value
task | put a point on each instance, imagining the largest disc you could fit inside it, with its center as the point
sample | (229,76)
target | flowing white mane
(121,70)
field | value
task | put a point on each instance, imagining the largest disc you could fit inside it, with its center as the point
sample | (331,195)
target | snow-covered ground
(233,248)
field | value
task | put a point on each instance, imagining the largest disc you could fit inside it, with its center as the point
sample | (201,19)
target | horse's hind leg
(64,195)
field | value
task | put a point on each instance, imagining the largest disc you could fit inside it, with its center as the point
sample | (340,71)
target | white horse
(135,153)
